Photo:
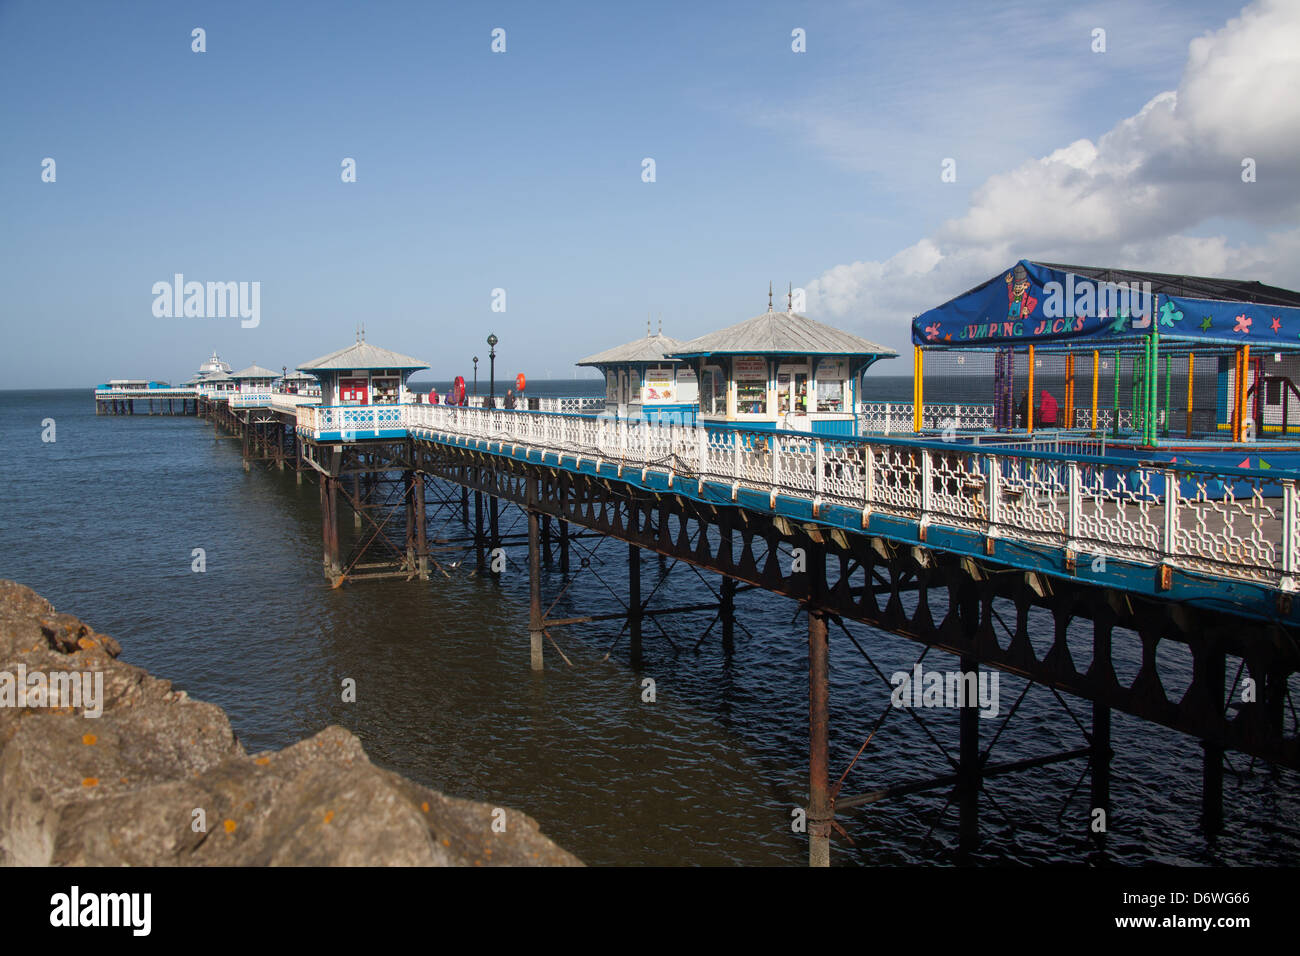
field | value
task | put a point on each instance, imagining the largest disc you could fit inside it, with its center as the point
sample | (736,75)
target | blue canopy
(1061,306)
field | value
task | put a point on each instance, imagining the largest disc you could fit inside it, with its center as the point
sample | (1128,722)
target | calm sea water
(103,522)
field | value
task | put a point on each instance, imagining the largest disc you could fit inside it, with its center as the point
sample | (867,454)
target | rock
(160,779)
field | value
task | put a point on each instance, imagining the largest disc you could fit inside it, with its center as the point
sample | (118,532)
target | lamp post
(492,368)
(476,376)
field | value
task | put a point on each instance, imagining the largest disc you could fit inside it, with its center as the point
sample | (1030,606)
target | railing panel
(1222,523)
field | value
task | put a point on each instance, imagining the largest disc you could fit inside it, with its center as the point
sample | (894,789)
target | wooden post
(408,489)
(546,539)
(1100,763)
(330,522)
(478,526)
(421,532)
(494,524)
(534,580)
(727,613)
(968,767)
(634,600)
(820,813)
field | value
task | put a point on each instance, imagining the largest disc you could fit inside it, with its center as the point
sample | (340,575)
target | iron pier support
(820,813)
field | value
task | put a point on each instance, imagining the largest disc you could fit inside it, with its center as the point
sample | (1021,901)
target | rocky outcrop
(160,778)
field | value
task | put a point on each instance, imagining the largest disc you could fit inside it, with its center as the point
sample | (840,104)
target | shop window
(385,390)
(751,398)
(713,393)
(830,396)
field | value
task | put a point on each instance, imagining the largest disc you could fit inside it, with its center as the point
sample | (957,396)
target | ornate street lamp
(492,368)
(476,376)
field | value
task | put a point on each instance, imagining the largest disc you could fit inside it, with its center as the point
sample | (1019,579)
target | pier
(956,549)
(943,523)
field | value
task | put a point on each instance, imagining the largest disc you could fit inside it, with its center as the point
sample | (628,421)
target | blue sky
(519,170)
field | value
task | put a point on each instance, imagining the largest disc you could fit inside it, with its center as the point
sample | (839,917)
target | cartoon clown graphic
(1020,304)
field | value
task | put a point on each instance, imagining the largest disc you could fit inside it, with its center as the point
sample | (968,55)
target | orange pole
(1245,375)
(1191,367)
(1069,390)
(1096,367)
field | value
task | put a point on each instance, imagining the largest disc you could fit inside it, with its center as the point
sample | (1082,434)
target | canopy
(1061,306)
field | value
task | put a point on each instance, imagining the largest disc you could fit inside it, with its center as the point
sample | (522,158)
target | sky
(524,170)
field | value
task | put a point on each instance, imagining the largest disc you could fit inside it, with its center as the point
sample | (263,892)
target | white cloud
(1131,199)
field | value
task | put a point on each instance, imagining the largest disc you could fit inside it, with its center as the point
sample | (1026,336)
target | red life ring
(520,382)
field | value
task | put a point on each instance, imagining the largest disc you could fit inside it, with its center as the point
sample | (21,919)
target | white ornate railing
(259,399)
(352,421)
(178,392)
(887,418)
(562,404)
(1231,523)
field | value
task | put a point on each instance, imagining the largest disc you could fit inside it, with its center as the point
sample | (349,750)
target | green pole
(1169,387)
(1139,367)
(1155,368)
(1153,387)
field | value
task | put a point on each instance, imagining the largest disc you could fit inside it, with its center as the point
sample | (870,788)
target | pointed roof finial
(647,325)
(356,333)
(789,299)
(661,323)
(769,295)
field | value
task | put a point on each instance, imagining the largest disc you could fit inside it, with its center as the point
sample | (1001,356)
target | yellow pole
(1236,397)
(1029,410)
(918,390)
(1096,367)
(1191,367)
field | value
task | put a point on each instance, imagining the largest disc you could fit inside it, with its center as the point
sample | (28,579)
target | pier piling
(534,580)
(968,786)
(820,813)
(634,601)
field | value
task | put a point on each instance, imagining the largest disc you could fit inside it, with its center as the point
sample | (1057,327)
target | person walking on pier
(509,399)
(1047,409)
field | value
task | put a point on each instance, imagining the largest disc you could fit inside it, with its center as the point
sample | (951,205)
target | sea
(710,769)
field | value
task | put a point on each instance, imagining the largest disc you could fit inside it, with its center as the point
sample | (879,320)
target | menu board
(659,385)
(749,368)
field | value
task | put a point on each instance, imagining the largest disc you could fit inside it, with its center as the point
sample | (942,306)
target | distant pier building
(643,381)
